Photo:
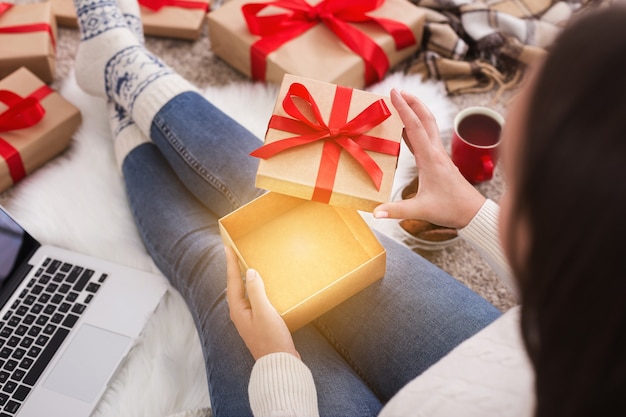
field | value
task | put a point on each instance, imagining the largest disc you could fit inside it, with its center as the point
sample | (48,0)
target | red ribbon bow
(277,29)
(22,113)
(156,5)
(338,134)
(32,27)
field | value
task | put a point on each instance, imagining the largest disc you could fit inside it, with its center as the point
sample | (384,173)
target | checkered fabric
(476,45)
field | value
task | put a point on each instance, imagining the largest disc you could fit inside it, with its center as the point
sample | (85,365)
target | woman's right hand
(444,197)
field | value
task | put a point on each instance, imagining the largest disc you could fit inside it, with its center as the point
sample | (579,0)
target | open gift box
(313,250)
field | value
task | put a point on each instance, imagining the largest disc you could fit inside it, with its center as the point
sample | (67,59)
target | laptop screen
(16,247)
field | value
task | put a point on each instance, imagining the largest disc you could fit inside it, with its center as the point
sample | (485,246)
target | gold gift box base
(312,256)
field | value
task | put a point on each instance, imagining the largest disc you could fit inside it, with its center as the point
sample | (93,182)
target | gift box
(36,124)
(353,45)
(357,172)
(315,250)
(179,19)
(27,38)
(65,13)
(312,256)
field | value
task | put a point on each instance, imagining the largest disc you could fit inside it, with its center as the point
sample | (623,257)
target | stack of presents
(331,148)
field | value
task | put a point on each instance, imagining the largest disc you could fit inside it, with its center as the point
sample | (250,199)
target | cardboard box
(353,187)
(170,21)
(65,13)
(29,148)
(175,21)
(312,256)
(33,49)
(317,53)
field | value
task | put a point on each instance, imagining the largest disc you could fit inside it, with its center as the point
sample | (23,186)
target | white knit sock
(126,134)
(131,76)
(132,14)
(103,32)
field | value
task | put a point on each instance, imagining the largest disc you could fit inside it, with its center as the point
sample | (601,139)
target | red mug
(475,142)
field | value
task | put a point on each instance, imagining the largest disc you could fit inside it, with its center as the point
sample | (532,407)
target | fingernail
(251,274)
(381,214)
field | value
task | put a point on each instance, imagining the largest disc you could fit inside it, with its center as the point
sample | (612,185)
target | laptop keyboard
(37,324)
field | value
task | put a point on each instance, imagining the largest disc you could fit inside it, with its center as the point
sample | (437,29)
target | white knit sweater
(487,375)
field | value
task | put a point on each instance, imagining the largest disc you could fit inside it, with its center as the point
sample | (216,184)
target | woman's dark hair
(572,194)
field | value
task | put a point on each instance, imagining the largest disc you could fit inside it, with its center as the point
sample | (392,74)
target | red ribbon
(22,113)
(277,29)
(32,27)
(156,5)
(338,134)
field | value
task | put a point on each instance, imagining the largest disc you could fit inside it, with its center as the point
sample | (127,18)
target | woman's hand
(257,321)
(444,197)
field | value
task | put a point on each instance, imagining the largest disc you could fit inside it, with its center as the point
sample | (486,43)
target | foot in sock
(126,135)
(103,34)
(130,74)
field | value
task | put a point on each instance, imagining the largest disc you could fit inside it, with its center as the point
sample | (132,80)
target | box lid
(330,144)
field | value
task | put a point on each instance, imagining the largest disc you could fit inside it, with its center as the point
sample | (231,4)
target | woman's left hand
(260,326)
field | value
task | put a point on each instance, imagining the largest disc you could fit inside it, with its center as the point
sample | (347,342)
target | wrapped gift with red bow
(36,124)
(329,151)
(178,19)
(27,38)
(344,42)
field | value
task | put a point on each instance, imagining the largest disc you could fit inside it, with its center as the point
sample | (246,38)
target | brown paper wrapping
(312,256)
(316,54)
(33,50)
(65,13)
(174,22)
(48,138)
(294,171)
(168,22)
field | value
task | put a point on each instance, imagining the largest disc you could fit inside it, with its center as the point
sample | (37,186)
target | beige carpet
(195,61)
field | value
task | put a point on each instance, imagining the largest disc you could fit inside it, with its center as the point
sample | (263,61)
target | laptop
(67,321)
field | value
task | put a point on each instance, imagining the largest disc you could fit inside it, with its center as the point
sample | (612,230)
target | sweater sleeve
(281,385)
(482,234)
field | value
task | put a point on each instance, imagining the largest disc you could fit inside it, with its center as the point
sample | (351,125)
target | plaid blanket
(476,45)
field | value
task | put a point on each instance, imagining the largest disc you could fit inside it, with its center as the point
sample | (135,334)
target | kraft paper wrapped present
(355,170)
(36,124)
(314,255)
(64,13)
(27,38)
(354,46)
(178,19)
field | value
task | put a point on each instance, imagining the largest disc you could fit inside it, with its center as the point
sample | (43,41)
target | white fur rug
(164,374)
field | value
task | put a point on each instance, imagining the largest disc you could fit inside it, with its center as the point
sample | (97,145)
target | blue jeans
(196,170)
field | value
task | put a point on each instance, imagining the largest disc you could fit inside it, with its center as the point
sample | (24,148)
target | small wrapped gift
(65,13)
(346,43)
(27,38)
(313,255)
(344,143)
(36,124)
(178,19)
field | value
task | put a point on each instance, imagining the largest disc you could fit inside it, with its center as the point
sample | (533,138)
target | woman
(561,224)
(186,164)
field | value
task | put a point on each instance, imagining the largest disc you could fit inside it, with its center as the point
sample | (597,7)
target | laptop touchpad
(87,363)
